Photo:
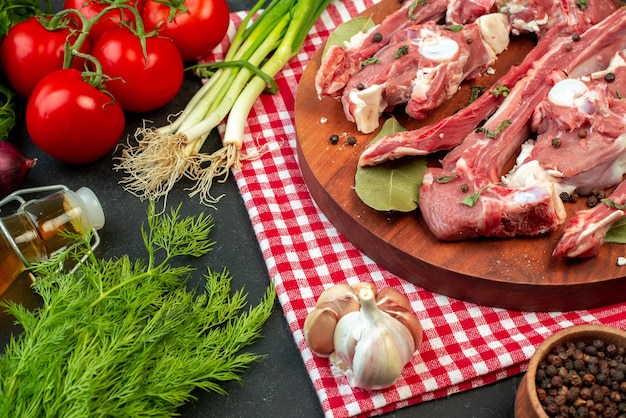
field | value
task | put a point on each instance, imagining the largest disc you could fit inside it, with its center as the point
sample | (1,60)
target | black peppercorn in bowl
(578,371)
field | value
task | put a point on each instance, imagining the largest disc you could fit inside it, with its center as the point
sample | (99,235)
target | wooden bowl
(526,401)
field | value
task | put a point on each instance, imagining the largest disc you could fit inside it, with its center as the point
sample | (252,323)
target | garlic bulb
(369,335)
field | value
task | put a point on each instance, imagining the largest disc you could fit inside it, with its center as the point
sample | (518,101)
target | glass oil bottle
(38,228)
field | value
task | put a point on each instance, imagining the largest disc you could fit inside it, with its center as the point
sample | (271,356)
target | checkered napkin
(464,346)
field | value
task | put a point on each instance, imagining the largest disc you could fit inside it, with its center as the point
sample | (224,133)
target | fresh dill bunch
(117,338)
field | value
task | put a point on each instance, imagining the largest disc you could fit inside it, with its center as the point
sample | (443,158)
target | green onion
(257,53)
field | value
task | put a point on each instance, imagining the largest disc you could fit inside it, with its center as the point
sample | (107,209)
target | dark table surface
(278,385)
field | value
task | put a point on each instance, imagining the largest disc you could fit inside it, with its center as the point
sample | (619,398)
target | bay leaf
(347,30)
(393,186)
(617,233)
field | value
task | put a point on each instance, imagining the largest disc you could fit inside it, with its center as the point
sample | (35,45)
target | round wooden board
(517,273)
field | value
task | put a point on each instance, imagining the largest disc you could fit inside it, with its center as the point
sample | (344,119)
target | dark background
(278,385)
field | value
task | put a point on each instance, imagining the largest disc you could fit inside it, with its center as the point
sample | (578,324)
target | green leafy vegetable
(493,134)
(475,93)
(454,28)
(414,6)
(582,4)
(14,11)
(347,30)
(500,90)
(391,187)
(470,199)
(445,179)
(403,50)
(612,204)
(617,233)
(372,60)
(7,112)
(129,339)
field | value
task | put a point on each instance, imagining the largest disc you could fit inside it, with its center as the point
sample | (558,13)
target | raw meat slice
(449,132)
(585,232)
(422,67)
(537,16)
(581,141)
(462,12)
(339,63)
(475,166)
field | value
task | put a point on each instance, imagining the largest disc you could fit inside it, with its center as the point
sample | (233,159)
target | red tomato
(29,52)
(139,85)
(112,18)
(71,120)
(196,31)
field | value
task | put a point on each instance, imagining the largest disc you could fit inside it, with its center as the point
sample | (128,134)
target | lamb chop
(581,141)
(538,16)
(339,64)
(585,232)
(474,167)
(449,132)
(422,67)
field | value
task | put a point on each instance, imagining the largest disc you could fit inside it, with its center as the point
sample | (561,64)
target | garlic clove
(371,346)
(396,304)
(340,298)
(319,325)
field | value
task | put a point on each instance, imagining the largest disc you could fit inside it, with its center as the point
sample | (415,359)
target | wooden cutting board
(518,273)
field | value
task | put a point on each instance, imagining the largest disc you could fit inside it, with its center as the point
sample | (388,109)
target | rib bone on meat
(474,167)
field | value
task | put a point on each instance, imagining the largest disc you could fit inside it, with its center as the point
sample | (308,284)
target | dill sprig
(123,338)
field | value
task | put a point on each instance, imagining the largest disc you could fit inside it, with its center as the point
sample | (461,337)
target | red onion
(14,166)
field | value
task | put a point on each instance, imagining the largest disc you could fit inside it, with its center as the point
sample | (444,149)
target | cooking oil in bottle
(39,228)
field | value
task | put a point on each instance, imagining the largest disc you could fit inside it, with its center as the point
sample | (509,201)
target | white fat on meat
(366,107)
(494,29)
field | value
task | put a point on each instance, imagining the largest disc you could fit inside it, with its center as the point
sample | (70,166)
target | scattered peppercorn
(575,37)
(334,138)
(377,37)
(568,47)
(582,133)
(469,40)
(592,201)
(609,77)
(351,140)
(556,142)
(464,187)
(583,379)
(360,86)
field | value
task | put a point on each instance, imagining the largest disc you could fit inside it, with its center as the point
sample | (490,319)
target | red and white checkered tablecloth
(464,346)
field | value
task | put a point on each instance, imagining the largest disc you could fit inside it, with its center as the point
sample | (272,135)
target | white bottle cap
(92,207)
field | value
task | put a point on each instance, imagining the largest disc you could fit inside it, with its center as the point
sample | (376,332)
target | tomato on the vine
(29,52)
(71,120)
(197,27)
(113,18)
(139,84)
